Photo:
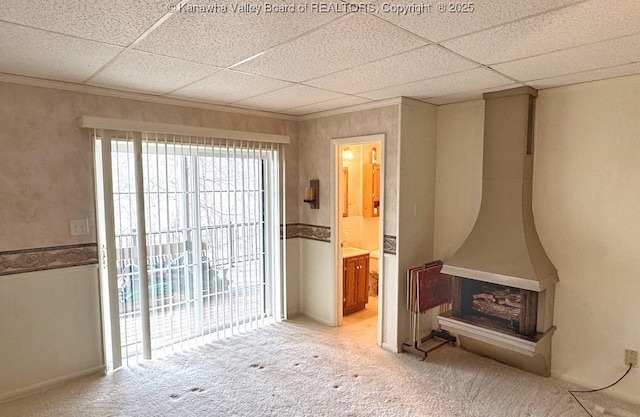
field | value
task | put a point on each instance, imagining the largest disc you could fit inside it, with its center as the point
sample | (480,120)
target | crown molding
(351,109)
(416,103)
(150,98)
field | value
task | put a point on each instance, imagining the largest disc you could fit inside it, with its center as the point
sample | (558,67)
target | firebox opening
(506,309)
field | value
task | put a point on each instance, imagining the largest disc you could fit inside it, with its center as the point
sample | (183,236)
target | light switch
(79,227)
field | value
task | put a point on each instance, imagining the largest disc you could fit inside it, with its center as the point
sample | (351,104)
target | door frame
(336,225)
(268,161)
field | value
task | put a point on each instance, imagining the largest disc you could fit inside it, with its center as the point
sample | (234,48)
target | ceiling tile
(289,97)
(41,54)
(564,28)
(223,38)
(326,105)
(470,95)
(229,86)
(475,79)
(344,59)
(586,76)
(104,21)
(141,71)
(437,26)
(419,64)
(584,58)
(352,40)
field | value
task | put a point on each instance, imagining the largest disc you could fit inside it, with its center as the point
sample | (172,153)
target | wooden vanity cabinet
(371,190)
(355,283)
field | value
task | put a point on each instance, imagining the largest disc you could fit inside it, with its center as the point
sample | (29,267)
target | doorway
(358,229)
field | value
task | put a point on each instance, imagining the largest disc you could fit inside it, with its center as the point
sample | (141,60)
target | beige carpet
(300,368)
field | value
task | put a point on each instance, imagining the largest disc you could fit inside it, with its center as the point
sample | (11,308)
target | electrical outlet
(631,357)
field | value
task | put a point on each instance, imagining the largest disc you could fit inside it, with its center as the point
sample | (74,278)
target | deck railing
(226,281)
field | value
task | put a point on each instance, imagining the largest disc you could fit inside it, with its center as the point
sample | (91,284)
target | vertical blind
(196,222)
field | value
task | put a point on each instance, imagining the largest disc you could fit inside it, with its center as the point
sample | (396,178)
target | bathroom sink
(349,251)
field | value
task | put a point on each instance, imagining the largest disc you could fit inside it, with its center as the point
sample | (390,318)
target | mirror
(345,191)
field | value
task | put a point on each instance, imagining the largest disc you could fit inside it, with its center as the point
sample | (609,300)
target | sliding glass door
(207,213)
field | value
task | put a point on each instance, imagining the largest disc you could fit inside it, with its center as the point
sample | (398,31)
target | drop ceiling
(304,62)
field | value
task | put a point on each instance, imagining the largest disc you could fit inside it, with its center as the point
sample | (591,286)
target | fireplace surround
(509,324)
(503,282)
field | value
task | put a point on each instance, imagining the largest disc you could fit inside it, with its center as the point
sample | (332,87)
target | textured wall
(46,179)
(318,285)
(315,157)
(586,199)
(586,203)
(46,162)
